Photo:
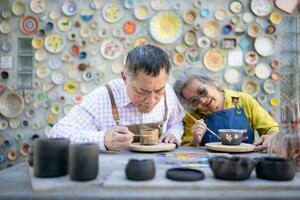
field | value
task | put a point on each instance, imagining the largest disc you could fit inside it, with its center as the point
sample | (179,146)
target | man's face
(145,91)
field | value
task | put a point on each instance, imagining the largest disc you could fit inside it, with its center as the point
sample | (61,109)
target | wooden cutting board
(151,148)
(218,146)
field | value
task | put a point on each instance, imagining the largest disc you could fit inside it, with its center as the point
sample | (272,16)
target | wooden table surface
(15,184)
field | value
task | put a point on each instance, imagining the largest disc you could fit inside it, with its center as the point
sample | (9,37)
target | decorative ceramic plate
(64,24)
(261,8)
(54,62)
(40,55)
(11,104)
(37,42)
(18,8)
(111,49)
(211,29)
(220,14)
(236,7)
(193,55)
(71,86)
(232,76)
(112,12)
(178,58)
(203,42)
(270,86)
(5,27)
(190,38)
(214,60)
(166,27)
(265,45)
(190,16)
(38,6)
(275,18)
(69,8)
(204,12)
(141,12)
(248,17)
(42,71)
(58,77)
(54,43)
(29,25)
(157,4)
(251,58)
(251,87)
(263,70)
(254,30)
(6,46)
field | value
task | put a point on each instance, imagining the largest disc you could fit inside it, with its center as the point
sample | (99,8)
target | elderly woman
(218,108)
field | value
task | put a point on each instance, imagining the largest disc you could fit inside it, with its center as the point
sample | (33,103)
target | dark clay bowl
(231,136)
(277,169)
(140,170)
(234,168)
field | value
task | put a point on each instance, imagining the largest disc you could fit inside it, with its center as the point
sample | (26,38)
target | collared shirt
(88,121)
(258,118)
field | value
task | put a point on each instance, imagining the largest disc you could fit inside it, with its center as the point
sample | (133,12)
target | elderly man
(109,115)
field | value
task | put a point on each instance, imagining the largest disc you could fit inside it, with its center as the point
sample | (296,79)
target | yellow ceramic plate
(37,42)
(166,27)
(112,12)
(214,60)
(275,17)
(211,29)
(54,43)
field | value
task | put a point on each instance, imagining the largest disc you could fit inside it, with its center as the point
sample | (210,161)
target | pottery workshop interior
(77,74)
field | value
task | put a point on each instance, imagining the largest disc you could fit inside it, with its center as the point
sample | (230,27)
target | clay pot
(277,169)
(231,136)
(234,168)
(83,161)
(140,170)
(51,157)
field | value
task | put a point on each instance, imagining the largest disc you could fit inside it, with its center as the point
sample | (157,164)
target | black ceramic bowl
(277,169)
(140,170)
(50,157)
(234,168)
(83,161)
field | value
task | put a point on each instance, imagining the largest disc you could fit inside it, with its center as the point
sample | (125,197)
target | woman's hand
(198,130)
(262,144)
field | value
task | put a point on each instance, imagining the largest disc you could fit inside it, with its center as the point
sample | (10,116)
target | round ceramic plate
(275,18)
(37,42)
(218,146)
(166,27)
(214,60)
(29,25)
(232,76)
(211,29)
(236,7)
(248,17)
(203,42)
(11,104)
(141,12)
(58,77)
(254,30)
(204,12)
(5,27)
(40,55)
(38,6)
(64,24)
(151,148)
(54,63)
(251,58)
(265,45)
(18,8)
(42,71)
(112,12)
(193,55)
(190,16)
(157,4)
(190,38)
(111,49)
(6,46)
(263,70)
(178,58)
(220,14)
(54,43)
(69,8)
(261,8)
(270,86)
(251,87)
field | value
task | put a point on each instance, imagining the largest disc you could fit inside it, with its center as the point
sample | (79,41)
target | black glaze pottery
(277,169)
(50,157)
(231,136)
(30,156)
(83,161)
(140,170)
(184,174)
(234,168)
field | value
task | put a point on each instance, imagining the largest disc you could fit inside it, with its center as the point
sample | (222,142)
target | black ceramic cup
(140,170)
(231,136)
(277,169)
(234,168)
(83,161)
(50,157)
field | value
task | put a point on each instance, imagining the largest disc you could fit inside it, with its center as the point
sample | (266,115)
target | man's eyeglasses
(201,93)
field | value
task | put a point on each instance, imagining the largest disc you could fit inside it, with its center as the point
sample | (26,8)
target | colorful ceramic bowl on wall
(261,8)
(11,104)
(18,8)
(232,75)
(111,49)
(69,8)
(29,25)
(54,43)
(166,27)
(214,60)
(211,29)
(251,87)
(38,6)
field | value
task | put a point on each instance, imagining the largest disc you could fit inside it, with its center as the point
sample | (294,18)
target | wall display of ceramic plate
(262,98)
(112,12)
(38,6)
(190,16)
(85,32)
(251,58)
(58,77)
(203,42)
(232,75)
(54,15)
(166,27)
(54,63)
(11,104)
(265,45)
(64,24)
(157,4)
(111,49)
(211,29)
(6,46)
(18,8)
(214,60)
(263,70)
(141,12)
(29,25)
(220,14)
(5,27)
(270,86)
(204,12)
(69,8)
(86,15)
(178,59)
(3,124)
(248,17)
(14,123)
(287,7)
(192,55)
(254,30)
(54,43)
(236,7)
(37,42)
(40,55)
(77,98)
(86,88)
(190,38)
(275,18)
(251,87)
(261,8)
(42,71)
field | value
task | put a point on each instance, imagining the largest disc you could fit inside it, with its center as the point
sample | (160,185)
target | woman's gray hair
(185,77)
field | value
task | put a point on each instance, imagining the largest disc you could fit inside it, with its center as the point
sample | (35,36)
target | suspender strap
(113,105)
(166,108)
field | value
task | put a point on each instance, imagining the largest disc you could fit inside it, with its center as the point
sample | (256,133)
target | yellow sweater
(258,118)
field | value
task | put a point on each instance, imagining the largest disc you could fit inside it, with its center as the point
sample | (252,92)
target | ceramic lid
(54,43)
(185,174)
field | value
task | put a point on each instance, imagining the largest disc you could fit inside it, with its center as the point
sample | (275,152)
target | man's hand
(262,143)
(117,138)
(168,138)
(198,131)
